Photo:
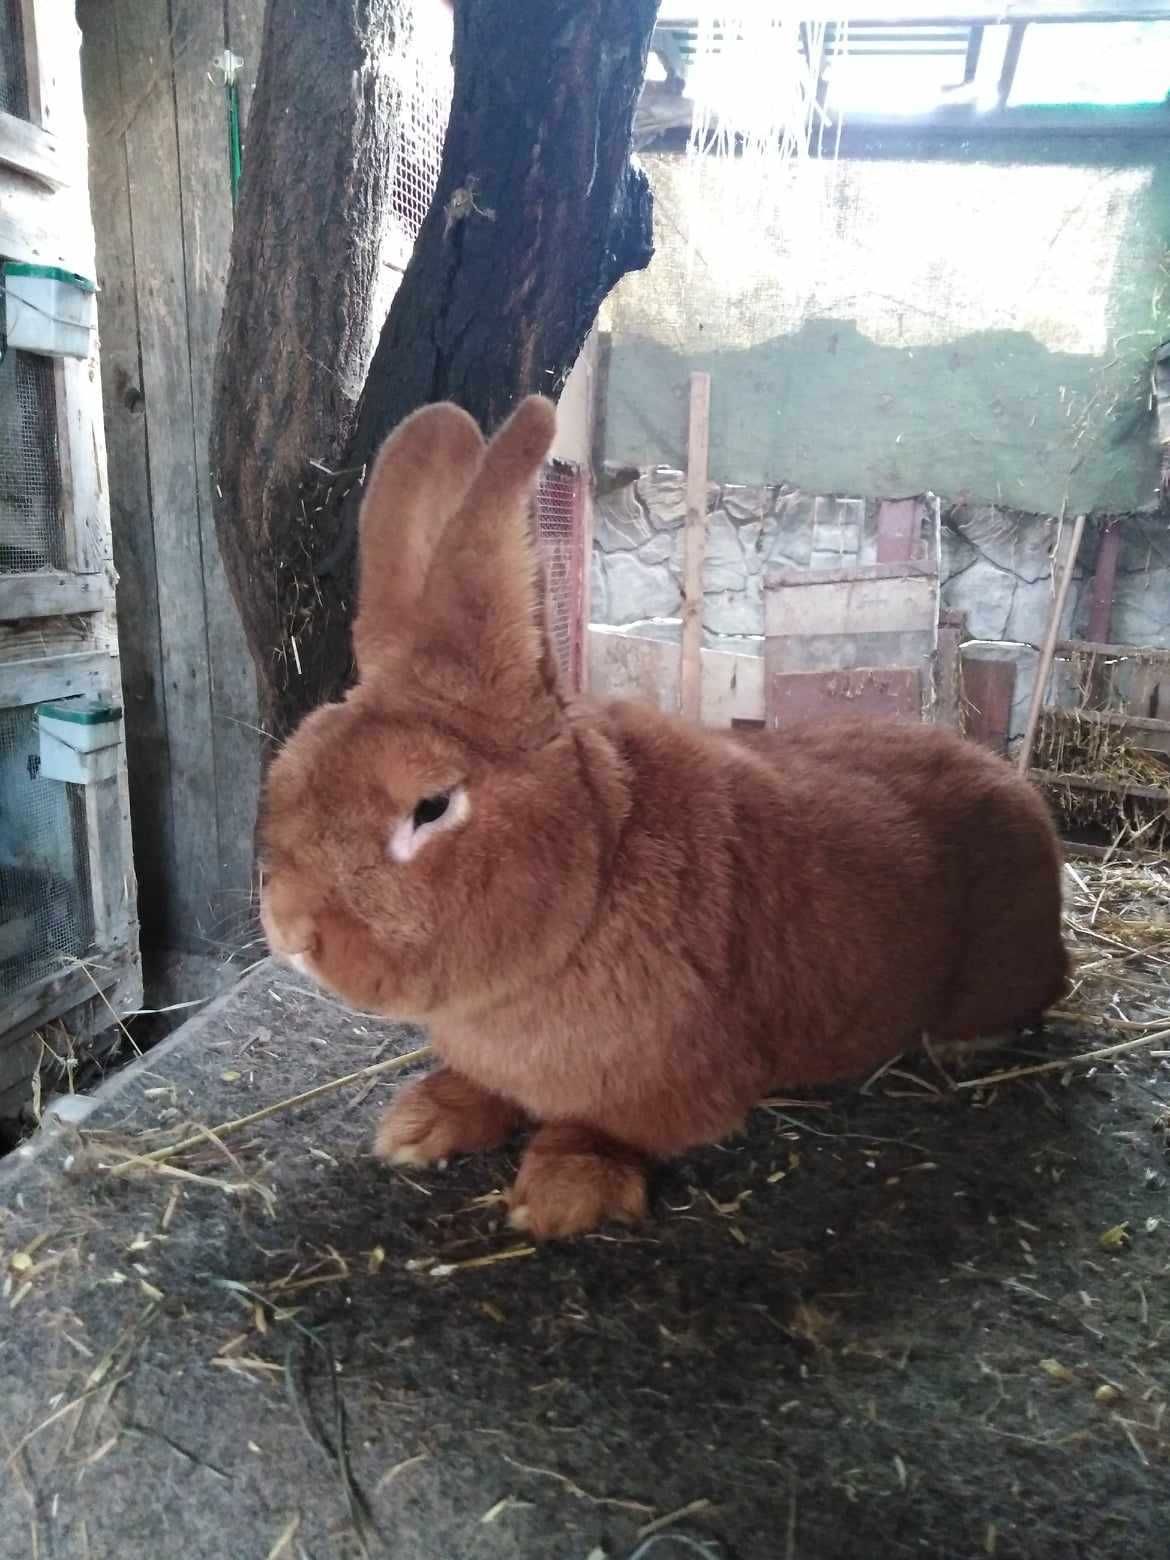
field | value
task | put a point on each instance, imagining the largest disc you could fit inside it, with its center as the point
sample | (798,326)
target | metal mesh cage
(32,526)
(426,109)
(13,78)
(46,906)
(561,536)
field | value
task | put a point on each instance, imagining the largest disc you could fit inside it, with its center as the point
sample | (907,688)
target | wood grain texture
(53,593)
(33,151)
(245,36)
(206,206)
(566,215)
(191,875)
(131,518)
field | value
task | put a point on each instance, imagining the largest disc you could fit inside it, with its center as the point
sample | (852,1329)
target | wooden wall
(159,176)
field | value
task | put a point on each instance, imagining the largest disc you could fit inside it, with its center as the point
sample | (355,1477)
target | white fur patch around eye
(406,840)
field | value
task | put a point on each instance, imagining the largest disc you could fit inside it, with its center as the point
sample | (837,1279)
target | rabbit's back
(997,832)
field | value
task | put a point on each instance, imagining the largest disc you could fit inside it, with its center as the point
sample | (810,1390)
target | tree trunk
(298,330)
(537,214)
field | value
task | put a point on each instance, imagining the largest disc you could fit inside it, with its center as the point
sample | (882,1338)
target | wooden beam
(948,670)
(1154,654)
(53,593)
(32,151)
(143,680)
(691,680)
(1048,650)
(56,677)
(145,54)
(205,194)
(856,574)
(1102,784)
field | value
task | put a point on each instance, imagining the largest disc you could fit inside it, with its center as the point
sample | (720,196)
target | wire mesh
(32,525)
(13,77)
(46,903)
(422,67)
(561,538)
(426,108)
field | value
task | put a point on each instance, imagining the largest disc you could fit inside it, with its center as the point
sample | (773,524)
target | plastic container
(80,740)
(48,310)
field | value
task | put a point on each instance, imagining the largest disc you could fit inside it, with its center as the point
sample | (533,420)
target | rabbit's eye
(431,809)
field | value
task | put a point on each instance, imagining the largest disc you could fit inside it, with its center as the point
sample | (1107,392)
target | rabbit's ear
(484,595)
(418,480)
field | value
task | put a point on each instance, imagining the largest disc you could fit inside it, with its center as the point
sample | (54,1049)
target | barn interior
(882,426)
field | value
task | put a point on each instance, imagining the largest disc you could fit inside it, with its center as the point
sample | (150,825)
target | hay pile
(1070,742)
(1117,921)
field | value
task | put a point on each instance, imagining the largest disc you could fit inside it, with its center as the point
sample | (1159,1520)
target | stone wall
(996,564)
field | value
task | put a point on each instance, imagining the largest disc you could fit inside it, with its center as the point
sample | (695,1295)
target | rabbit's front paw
(572,1180)
(440,1115)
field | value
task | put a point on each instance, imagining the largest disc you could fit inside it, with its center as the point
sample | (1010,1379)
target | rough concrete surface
(890,1324)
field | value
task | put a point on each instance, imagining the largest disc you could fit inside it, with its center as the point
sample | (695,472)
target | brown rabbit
(619,927)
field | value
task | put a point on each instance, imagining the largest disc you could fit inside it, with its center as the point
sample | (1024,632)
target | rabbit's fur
(623,928)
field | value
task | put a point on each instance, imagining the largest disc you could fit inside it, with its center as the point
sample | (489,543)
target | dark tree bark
(537,214)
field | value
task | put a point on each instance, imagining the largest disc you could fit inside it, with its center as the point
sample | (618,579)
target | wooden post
(691,678)
(1104,583)
(1048,650)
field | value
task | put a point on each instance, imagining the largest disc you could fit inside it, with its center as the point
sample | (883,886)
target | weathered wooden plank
(50,225)
(836,652)
(948,675)
(626,666)
(81,441)
(695,547)
(1148,733)
(989,688)
(1102,784)
(201,120)
(884,606)
(53,593)
(1048,648)
(33,151)
(111,886)
(1150,653)
(191,875)
(56,677)
(143,683)
(858,573)
(733,688)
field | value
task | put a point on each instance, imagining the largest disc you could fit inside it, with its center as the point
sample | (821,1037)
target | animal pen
(883,427)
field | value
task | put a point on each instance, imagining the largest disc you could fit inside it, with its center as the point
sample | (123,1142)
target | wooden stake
(1048,651)
(691,678)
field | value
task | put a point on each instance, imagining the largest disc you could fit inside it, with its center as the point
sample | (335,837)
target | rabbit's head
(420,840)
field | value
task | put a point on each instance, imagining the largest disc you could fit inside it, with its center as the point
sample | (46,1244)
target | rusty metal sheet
(899,529)
(888,691)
